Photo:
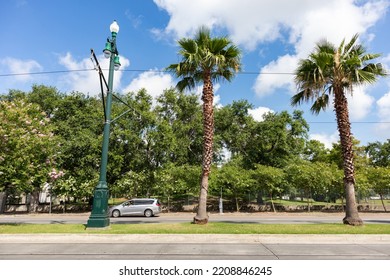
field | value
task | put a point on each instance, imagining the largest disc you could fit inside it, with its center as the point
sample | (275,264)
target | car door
(127,208)
(138,207)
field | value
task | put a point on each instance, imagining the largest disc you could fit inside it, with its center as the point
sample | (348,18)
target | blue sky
(55,35)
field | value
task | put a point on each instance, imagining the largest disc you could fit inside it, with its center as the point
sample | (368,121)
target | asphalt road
(255,218)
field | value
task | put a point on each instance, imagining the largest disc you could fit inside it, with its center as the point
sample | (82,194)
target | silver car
(147,207)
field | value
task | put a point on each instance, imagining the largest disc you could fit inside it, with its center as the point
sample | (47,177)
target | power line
(132,70)
(129,70)
(44,72)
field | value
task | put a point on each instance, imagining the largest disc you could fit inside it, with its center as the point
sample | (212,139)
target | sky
(44,41)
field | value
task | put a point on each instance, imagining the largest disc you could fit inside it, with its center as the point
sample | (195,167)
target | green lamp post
(100,215)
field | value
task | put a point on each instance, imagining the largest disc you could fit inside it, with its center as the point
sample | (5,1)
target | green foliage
(78,122)
(313,179)
(234,127)
(70,188)
(156,149)
(277,139)
(379,153)
(329,68)
(269,179)
(27,146)
(215,56)
(379,177)
(233,181)
(132,184)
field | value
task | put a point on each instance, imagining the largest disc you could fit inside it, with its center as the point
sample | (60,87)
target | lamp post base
(99,216)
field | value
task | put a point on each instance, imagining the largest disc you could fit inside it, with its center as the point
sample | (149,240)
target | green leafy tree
(133,145)
(234,127)
(178,133)
(175,181)
(206,60)
(78,125)
(314,179)
(379,178)
(234,181)
(132,184)
(331,70)
(379,153)
(270,180)
(277,139)
(47,98)
(315,151)
(27,149)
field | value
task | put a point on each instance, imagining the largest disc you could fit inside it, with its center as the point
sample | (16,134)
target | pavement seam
(269,250)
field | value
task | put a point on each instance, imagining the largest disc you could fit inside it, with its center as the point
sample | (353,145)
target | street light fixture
(117,64)
(100,216)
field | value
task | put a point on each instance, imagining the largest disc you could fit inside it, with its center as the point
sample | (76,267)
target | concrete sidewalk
(193,247)
(199,238)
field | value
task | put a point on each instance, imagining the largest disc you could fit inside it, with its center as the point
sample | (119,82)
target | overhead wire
(166,71)
(128,70)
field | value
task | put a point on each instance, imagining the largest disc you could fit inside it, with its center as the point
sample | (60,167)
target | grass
(376,202)
(188,228)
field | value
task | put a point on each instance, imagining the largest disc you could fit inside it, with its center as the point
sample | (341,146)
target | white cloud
(386,63)
(266,83)
(153,81)
(360,104)
(383,105)
(258,113)
(326,139)
(19,66)
(88,81)
(333,20)
(10,65)
(249,23)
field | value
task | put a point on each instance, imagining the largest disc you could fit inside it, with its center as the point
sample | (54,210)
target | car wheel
(116,213)
(148,213)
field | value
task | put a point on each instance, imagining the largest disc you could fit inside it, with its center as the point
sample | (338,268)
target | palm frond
(327,67)
(298,98)
(202,55)
(321,103)
(186,83)
(203,35)
(351,45)
(188,46)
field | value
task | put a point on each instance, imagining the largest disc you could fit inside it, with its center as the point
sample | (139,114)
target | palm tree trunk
(344,127)
(208,135)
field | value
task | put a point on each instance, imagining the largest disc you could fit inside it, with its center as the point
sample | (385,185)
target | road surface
(255,218)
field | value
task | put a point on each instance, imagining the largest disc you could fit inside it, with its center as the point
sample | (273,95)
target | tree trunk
(383,203)
(237,205)
(34,201)
(259,199)
(344,127)
(201,217)
(272,203)
(208,134)
(3,201)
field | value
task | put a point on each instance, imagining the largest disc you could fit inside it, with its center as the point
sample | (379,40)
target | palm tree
(205,60)
(335,71)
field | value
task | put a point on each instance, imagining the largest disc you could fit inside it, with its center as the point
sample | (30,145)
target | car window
(143,201)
